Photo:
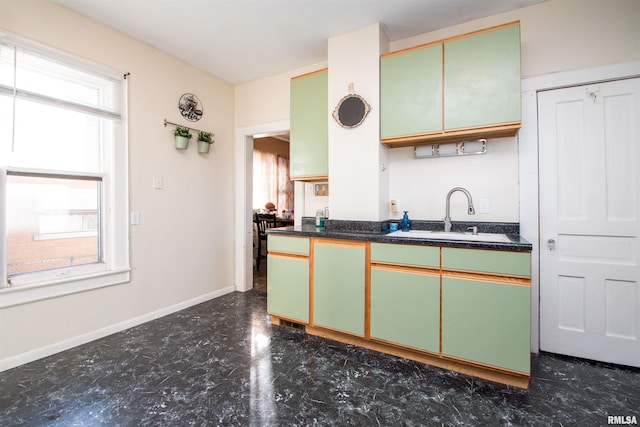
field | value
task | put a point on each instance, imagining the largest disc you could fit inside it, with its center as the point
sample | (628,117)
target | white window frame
(115,268)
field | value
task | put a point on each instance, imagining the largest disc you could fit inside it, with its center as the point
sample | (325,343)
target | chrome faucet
(447,218)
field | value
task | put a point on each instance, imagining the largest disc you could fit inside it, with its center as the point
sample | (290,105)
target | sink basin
(441,235)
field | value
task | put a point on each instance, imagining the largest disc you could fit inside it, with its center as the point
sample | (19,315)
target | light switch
(135,218)
(157,182)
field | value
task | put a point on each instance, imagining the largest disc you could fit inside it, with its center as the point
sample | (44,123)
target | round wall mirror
(351,111)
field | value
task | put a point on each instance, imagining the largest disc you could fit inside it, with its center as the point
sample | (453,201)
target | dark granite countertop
(379,232)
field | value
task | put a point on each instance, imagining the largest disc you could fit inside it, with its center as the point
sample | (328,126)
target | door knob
(552,244)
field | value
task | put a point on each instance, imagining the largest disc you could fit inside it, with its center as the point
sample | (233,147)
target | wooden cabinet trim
(339,242)
(367,291)
(495,131)
(322,70)
(485,277)
(310,178)
(407,268)
(448,39)
(282,254)
(484,30)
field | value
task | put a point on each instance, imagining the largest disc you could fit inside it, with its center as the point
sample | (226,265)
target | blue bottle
(405,225)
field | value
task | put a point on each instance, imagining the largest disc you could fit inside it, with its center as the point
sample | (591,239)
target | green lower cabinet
(288,287)
(338,286)
(486,322)
(405,308)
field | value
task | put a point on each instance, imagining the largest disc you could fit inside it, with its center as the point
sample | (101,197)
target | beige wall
(179,252)
(558,35)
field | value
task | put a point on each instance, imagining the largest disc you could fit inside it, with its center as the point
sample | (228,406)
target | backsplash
(383,226)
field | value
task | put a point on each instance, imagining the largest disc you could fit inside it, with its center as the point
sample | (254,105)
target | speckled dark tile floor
(223,363)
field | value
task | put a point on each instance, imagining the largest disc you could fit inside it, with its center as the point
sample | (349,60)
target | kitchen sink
(451,235)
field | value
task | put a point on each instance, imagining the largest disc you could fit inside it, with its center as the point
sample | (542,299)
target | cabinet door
(338,286)
(309,126)
(482,79)
(486,322)
(411,92)
(288,287)
(405,308)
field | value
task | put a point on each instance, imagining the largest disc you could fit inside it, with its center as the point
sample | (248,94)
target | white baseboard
(39,353)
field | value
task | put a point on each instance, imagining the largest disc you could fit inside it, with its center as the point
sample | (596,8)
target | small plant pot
(203,147)
(182,142)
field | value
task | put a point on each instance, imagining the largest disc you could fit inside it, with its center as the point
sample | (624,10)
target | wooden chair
(263,221)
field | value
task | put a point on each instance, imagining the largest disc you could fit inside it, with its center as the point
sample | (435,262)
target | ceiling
(244,40)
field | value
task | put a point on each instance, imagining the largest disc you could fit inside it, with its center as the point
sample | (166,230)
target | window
(63,176)
(271,181)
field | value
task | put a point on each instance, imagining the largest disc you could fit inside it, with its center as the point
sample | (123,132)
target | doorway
(243,208)
(589,154)
(273,194)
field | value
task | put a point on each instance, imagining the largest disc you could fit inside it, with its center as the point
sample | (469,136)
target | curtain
(285,185)
(271,181)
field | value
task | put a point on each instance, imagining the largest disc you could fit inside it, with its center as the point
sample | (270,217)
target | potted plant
(204,141)
(182,136)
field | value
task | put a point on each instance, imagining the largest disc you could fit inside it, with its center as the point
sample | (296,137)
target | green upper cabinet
(339,286)
(482,79)
(458,89)
(411,92)
(308,149)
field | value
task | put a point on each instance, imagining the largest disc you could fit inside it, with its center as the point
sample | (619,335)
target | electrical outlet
(394,206)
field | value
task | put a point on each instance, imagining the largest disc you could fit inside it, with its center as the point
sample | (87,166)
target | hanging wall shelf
(183,135)
(166,122)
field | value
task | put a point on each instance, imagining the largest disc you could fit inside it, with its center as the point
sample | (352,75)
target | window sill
(24,294)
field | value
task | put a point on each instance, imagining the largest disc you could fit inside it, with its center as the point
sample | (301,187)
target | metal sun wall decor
(351,110)
(190,107)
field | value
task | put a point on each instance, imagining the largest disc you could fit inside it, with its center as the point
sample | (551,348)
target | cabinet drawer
(291,245)
(409,255)
(483,261)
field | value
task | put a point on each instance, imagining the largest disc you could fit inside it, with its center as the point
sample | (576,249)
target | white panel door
(589,221)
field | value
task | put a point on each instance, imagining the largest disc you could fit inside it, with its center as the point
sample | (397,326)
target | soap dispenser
(405,225)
